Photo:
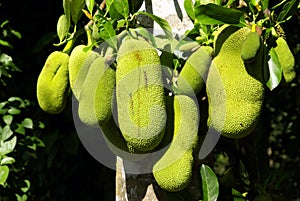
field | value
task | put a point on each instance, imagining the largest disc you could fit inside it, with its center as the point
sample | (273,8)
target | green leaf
(8,146)
(6,133)
(7,119)
(16,33)
(161,22)
(210,185)
(189,8)
(13,111)
(22,103)
(63,26)
(122,7)
(90,5)
(275,70)
(145,33)
(212,14)
(24,197)
(26,187)
(7,160)
(5,43)
(121,23)
(67,9)
(4,23)
(20,129)
(27,123)
(4,171)
(237,196)
(113,13)
(288,11)
(207,1)
(106,31)
(76,10)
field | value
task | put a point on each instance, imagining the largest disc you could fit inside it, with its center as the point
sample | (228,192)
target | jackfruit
(79,75)
(193,74)
(52,83)
(286,59)
(235,89)
(77,58)
(173,170)
(140,95)
(250,46)
(95,99)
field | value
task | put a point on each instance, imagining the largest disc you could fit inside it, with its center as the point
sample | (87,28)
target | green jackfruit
(173,170)
(250,46)
(95,101)
(193,74)
(52,83)
(286,59)
(79,75)
(235,89)
(140,95)
(77,58)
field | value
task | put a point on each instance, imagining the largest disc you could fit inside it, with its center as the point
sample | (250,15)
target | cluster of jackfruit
(130,103)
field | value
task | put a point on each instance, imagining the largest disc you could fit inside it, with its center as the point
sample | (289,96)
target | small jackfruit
(52,83)
(140,95)
(173,170)
(79,75)
(286,59)
(193,74)
(250,46)
(235,90)
(95,101)
(77,58)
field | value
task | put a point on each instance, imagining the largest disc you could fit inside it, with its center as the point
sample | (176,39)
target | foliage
(19,133)
(263,163)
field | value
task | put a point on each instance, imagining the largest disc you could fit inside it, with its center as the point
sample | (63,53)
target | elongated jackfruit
(95,99)
(140,95)
(286,59)
(82,72)
(235,89)
(77,58)
(173,170)
(193,74)
(53,82)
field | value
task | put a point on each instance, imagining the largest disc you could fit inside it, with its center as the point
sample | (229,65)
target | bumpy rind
(77,58)
(194,72)
(95,102)
(82,73)
(286,59)
(140,95)
(53,82)
(235,89)
(173,170)
(250,46)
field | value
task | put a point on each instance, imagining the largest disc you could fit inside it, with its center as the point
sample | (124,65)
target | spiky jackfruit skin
(173,170)
(286,59)
(77,58)
(250,46)
(140,95)
(53,83)
(82,73)
(95,100)
(235,90)
(193,74)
